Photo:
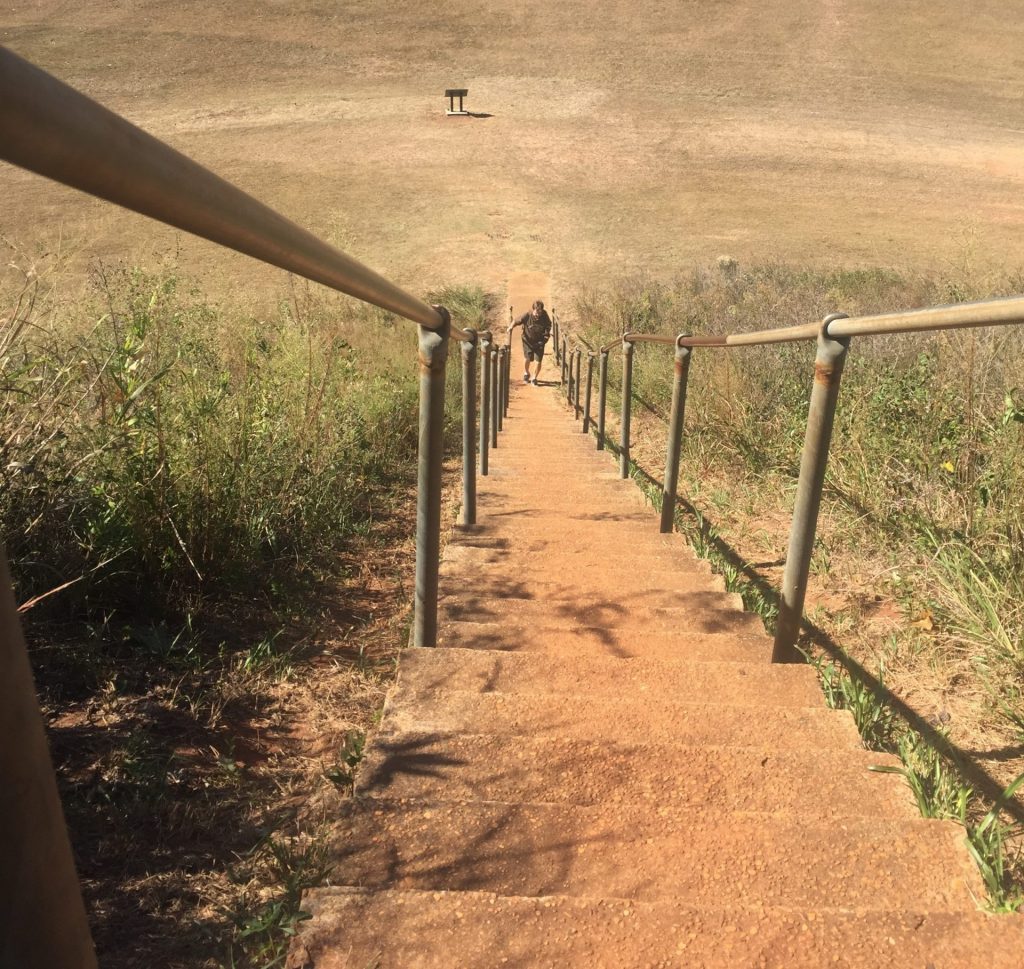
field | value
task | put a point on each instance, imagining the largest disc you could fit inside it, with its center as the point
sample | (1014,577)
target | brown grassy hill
(620,133)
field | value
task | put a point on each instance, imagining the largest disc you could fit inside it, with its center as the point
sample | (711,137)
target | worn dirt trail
(599,766)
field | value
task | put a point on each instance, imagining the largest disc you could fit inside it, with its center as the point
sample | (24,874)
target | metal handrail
(51,129)
(994,312)
(649,338)
(832,336)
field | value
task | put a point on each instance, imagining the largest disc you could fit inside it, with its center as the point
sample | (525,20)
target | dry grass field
(619,134)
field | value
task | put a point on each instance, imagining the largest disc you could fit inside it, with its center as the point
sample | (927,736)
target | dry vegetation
(209,519)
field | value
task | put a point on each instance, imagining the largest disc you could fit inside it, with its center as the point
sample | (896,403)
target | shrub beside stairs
(598,767)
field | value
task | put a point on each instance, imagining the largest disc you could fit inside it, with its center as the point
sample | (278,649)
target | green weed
(343,772)
(1000,865)
(262,934)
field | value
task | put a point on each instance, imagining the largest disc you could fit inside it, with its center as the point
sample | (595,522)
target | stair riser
(433,671)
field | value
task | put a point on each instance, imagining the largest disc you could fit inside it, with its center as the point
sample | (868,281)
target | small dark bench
(451,94)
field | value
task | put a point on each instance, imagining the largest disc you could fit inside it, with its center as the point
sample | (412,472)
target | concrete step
(490,565)
(467,767)
(531,515)
(495,534)
(429,671)
(647,558)
(614,530)
(481,930)
(706,612)
(583,641)
(557,585)
(646,851)
(609,717)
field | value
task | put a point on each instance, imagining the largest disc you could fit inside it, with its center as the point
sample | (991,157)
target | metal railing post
(602,397)
(828,371)
(507,382)
(499,388)
(675,438)
(433,358)
(590,384)
(568,377)
(576,384)
(485,402)
(627,406)
(42,922)
(494,396)
(554,336)
(563,361)
(469,427)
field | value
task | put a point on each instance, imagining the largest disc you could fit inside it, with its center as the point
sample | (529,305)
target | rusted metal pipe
(42,918)
(495,416)
(52,130)
(602,396)
(663,339)
(670,485)
(993,312)
(433,360)
(590,383)
(627,406)
(828,371)
(486,347)
(469,346)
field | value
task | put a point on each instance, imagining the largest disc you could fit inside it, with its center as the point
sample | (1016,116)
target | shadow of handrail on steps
(812,634)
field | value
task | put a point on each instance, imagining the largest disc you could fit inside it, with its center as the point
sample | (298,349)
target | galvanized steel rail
(832,336)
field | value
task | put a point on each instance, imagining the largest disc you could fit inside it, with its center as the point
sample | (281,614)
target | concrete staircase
(599,768)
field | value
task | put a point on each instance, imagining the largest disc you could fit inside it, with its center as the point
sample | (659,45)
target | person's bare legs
(536,376)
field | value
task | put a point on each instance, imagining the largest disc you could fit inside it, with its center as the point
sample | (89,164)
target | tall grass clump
(161,448)
(161,451)
(182,482)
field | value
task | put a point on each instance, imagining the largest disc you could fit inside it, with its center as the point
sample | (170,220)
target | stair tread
(587,640)
(657,719)
(706,612)
(621,850)
(459,766)
(481,930)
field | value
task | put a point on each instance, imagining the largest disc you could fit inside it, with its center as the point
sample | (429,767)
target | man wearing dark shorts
(536,330)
